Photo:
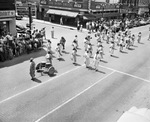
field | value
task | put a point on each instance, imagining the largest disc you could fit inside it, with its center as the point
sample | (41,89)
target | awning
(89,17)
(6,19)
(63,13)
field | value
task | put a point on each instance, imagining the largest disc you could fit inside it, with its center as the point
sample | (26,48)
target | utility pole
(30,16)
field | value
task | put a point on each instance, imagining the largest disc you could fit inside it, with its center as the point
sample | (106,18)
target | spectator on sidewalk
(52,32)
(32,69)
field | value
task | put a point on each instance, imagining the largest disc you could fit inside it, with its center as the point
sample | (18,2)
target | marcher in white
(49,48)
(101,52)
(139,37)
(96,60)
(32,69)
(58,51)
(74,56)
(133,39)
(49,57)
(90,49)
(86,43)
(87,59)
(76,41)
(121,45)
(112,45)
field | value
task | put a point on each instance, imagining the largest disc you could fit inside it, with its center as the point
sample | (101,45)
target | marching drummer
(32,69)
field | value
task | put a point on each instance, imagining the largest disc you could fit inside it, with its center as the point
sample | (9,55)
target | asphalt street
(76,94)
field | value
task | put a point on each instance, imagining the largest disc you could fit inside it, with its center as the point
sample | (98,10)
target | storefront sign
(44,2)
(97,6)
(7,13)
(77,5)
(65,4)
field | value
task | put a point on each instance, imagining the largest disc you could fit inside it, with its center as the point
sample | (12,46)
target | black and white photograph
(74,60)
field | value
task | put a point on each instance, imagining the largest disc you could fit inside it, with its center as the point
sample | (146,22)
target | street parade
(120,41)
(74,60)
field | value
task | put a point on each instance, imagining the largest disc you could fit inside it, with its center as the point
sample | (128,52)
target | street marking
(58,107)
(126,74)
(40,84)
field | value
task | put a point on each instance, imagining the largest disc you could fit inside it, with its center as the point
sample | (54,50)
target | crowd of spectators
(23,43)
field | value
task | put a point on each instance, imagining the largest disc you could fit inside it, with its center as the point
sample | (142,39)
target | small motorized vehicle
(46,68)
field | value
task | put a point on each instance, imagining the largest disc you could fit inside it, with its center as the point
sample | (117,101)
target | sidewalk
(54,24)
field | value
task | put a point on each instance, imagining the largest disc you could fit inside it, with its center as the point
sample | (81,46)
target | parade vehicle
(45,68)
(136,115)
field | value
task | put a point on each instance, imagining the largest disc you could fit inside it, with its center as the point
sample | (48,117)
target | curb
(49,23)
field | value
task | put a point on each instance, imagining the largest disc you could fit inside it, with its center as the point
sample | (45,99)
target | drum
(47,65)
(43,63)
(51,70)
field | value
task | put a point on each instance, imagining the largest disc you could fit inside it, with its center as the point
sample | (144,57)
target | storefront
(7,22)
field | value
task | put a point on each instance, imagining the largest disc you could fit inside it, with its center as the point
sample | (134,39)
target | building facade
(22,8)
(7,17)
(72,11)
(137,7)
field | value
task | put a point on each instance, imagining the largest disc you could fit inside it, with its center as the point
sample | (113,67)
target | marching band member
(112,48)
(74,55)
(96,60)
(90,49)
(101,52)
(139,37)
(133,39)
(58,50)
(49,57)
(87,58)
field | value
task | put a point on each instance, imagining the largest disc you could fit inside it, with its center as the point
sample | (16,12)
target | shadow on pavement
(61,59)
(104,61)
(65,52)
(131,48)
(141,43)
(135,46)
(22,58)
(101,72)
(37,80)
(76,64)
(78,55)
(114,56)
(91,68)
(124,52)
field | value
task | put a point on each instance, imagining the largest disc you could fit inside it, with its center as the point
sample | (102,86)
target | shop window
(4,28)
